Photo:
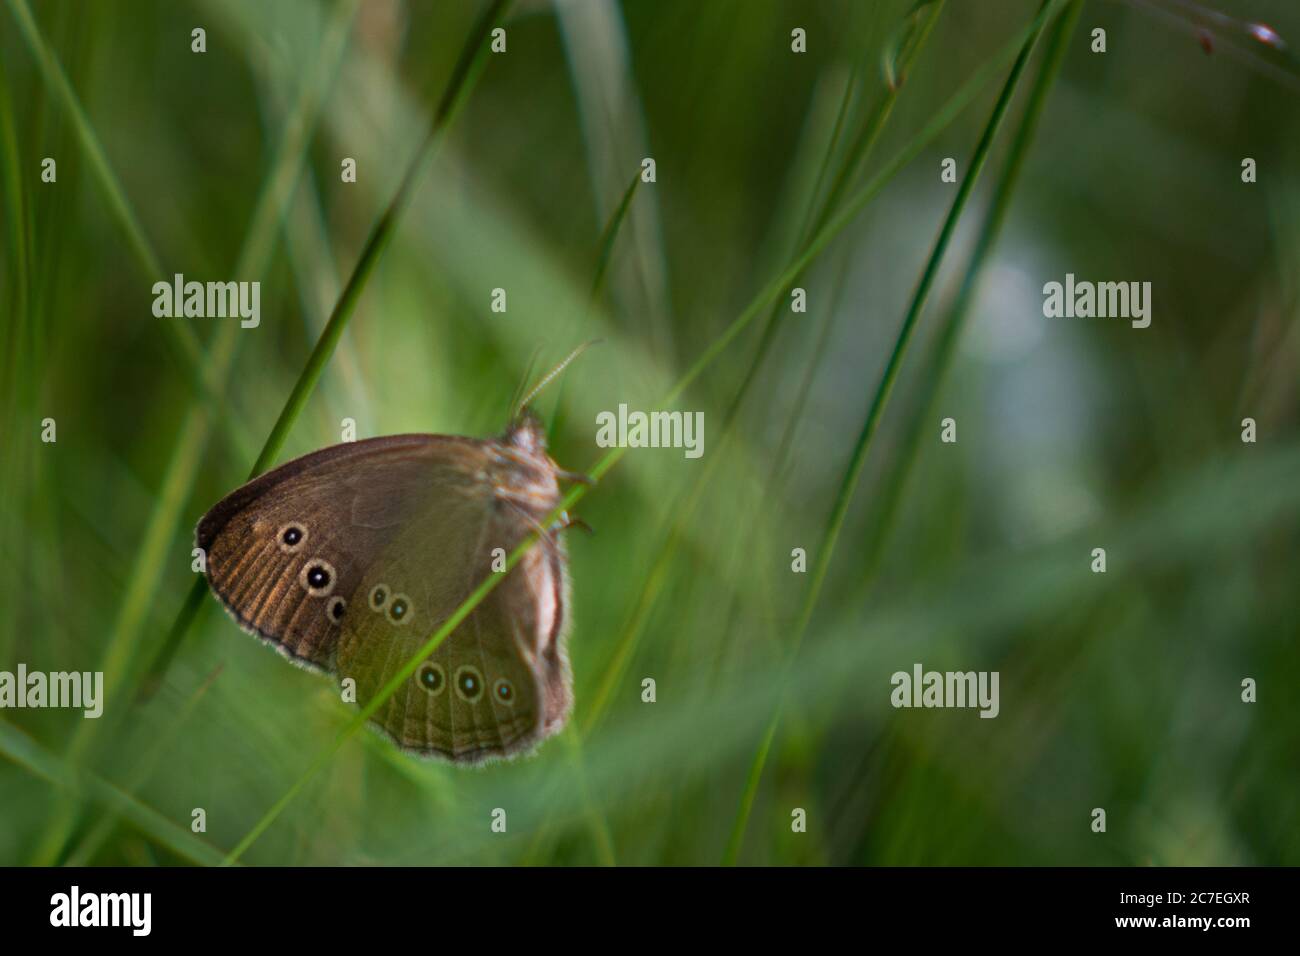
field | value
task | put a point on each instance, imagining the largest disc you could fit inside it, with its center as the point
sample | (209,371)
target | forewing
(287,552)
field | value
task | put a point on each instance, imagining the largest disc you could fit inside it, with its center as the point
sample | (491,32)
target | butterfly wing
(286,552)
(348,559)
(499,683)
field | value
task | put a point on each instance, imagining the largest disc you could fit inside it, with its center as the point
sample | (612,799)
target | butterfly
(346,560)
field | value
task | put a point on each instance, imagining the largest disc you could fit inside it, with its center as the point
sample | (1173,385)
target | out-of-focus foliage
(1119,690)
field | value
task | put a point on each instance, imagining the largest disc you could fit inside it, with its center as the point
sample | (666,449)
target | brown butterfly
(347,559)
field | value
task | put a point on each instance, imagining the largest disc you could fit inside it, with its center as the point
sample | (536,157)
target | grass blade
(815,218)
(611,458)
(610,234)
(186,342)
(26,752)
(145,766)
(182,468)
(605,246)
(849,481)
(459,86)
(943,349)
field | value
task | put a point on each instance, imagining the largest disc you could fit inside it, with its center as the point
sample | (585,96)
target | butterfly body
(347,560)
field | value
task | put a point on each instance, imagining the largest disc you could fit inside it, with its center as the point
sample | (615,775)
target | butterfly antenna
(546,379)
(523,382)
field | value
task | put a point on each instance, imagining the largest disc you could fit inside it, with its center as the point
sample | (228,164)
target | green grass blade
(932,381)
(471,63)
(815,218)
(831,223)
(14,451)
(182,469)
(631,631)
(917,30)
(183,337)
(144,768)
(26,752)
(592,812)
(848,483)
(610,235)
(612,117)
(605,250)
(836,223)
(611,458)
(52,71)
(772,489)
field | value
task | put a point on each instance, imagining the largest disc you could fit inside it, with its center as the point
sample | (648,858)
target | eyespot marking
(399,609)
(317,577)
(336,608)
(378,597)
(469,683)
(504,691)
(291,537)
(432,678)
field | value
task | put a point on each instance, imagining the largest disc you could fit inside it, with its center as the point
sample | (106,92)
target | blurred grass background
(1119,691)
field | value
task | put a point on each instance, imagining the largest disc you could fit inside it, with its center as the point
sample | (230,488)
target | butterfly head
(524,445)
(526,432)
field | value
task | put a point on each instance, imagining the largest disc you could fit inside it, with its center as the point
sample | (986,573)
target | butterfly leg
(567,521)
(576,476)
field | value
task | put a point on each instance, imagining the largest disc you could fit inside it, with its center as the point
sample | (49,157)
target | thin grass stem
(848,482)
(463,78)
(932,381)
(837,223)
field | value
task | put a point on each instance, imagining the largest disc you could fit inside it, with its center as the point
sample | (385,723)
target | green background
(1119,690)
